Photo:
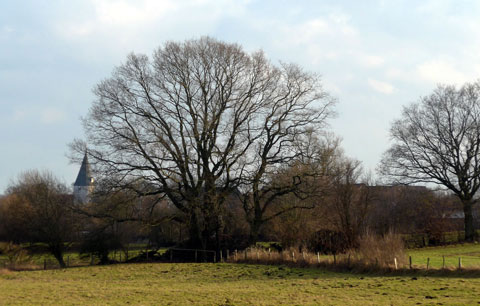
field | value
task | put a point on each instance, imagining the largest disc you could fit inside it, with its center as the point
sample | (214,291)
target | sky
(374,57)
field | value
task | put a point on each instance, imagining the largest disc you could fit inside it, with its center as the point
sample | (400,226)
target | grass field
(242,284)
(469,254)
(229,284)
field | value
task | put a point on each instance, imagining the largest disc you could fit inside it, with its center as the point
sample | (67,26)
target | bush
(381,250)
(100,243)
(328,242)
(15,253)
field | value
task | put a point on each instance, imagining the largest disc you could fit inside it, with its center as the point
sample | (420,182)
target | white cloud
(333,26)
(6,31)
(52,115)
(372,60)
(382,87)
(130,17)
(18,115)
(442,71)
(114,12)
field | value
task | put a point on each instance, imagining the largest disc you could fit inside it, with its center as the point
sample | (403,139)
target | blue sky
(374,57)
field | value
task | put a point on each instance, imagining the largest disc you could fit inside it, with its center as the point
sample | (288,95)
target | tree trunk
(194,232)
(469,229)
(58,254)
(254,231)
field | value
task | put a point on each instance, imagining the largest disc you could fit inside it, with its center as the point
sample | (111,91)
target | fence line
(253,255)
(257,255)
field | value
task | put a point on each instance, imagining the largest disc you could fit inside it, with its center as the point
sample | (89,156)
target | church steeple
(83,186)
(84,177)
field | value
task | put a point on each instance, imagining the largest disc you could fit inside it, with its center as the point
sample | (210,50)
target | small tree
(437,141)
(284,183)
(38,204)
(350,199)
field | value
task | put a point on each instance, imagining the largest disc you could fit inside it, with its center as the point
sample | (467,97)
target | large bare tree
(198,120)
(437,140)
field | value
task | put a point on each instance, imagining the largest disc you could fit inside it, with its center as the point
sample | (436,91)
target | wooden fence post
(459,262)
(293,256)
(443,262)
(428,262)
(410,262)
(228,254)
(221,256)
(214,257)
(395,261)
(318,257)
(235,256)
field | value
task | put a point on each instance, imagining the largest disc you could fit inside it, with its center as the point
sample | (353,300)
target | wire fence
(411,262)
(76,260)
(252,255)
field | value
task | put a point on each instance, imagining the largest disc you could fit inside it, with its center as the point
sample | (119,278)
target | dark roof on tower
(84,177)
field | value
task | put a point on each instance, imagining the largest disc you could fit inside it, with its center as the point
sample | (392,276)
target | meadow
(469,255)
(252,284)
(229,284)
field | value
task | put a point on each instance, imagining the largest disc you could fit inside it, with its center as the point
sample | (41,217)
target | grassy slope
(225,284)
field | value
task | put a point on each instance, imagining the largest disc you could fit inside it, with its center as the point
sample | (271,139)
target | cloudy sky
(374,57)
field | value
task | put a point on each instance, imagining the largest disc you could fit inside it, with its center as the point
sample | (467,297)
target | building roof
(84,177)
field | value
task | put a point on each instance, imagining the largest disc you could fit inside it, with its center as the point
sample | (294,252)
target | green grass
(469,253)
(71,258)
(228,284)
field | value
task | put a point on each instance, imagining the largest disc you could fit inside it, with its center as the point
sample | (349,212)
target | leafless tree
(299,183)
(350,199)
(198,120)
(37,210)
(437,140)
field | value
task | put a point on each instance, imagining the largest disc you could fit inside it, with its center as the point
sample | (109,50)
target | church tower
(83,186)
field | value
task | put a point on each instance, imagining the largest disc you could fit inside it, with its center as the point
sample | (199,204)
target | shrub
(15,253)
(381,250)
(328,242)
(100,243)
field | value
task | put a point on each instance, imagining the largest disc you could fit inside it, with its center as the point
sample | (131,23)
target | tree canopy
(437,140)
(199,120)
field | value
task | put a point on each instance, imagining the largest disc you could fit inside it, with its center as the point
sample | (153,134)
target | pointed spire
(84,177)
